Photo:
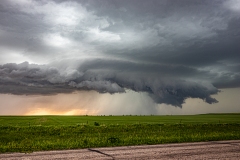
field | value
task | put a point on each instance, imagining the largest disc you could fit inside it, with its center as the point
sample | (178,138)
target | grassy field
(116,120)
(35,133)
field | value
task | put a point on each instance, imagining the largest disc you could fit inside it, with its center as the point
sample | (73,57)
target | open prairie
(117,120)
(35,133)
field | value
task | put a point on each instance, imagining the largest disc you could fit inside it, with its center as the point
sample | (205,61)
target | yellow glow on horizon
(44,111)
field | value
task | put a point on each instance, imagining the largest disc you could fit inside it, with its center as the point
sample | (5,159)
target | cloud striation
(31,79)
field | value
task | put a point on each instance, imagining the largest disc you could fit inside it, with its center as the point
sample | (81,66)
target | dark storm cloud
(195,33)
(162,86)
(173,50)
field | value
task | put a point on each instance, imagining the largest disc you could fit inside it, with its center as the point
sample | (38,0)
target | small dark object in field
(113,140)
(85,141)
(96,124)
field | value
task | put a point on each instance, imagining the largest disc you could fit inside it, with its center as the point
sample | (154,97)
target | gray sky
(155,56)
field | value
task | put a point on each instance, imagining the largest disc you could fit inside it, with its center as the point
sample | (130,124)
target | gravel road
(201,150)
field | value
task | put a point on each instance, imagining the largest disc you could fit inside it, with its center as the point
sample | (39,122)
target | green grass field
(35,133)
(116,120)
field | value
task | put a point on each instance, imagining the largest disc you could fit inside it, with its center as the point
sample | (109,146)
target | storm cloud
(163,85)
(171,50)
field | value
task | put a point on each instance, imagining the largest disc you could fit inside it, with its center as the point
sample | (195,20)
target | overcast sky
(119,56)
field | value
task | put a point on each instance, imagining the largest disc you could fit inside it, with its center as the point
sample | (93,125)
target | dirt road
(202,150)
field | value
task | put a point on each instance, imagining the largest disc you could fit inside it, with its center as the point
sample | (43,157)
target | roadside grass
(54,134)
